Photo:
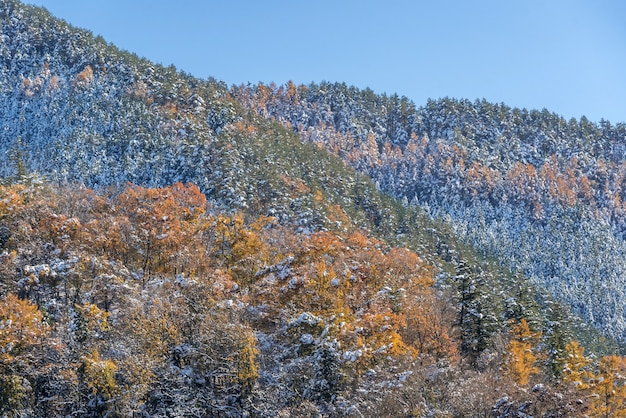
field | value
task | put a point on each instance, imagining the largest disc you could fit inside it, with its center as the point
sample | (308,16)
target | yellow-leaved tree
(99,375)
(608,388)
(22,331)
(576,368)
(520,359)
(163,227)
(10,199)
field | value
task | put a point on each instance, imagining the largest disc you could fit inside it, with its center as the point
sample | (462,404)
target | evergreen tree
(472,320)
(17,158)
(557,337)
(328,378)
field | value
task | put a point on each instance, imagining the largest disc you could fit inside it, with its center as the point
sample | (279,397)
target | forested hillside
(173,247)
(153,302)
(541,194)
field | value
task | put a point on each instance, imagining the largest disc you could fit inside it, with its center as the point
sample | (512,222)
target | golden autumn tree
(22,330)
(605,390)
(376,300)
(84,77)
(427,328)
(520,359)
(90,323)
(360,303)
(148,332)
(246,360)
(107,235)
(97,382)
(411,297)
(608,388)
(239,246)
(11,202)
(11,199)
(99,375)
(576,366)
(479,179)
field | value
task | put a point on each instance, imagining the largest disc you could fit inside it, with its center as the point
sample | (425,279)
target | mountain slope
(541,194)
(79,110)
(278,285)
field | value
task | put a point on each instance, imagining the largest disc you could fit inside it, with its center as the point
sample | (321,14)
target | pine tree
(556,337)
(17,157)
(473,325)
(328,379)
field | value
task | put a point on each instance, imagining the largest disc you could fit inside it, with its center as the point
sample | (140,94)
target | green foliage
(328,378)
(18,159)
(474,319)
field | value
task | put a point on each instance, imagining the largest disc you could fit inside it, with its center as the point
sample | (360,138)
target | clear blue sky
(568,56)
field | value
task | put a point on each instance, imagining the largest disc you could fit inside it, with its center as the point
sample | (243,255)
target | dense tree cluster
(540,193)
(153,302)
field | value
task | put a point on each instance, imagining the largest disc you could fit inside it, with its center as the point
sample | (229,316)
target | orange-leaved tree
(606,389)
(164,225)
(21,328)
(239,246)
(11,199)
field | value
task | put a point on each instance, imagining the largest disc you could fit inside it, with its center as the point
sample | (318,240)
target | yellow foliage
(247,367)
(99,375)
(575,367)
(296,185)
(318,196)
(240,246)
(170,109)
(243,127)
(159,227)
(84,77)
(95,318)
(357,239)
(375,300)
(380,334)
(339,217)
(520,360)
(156,332)
(21,327)
(10,199)
(426,330)
(247,243)
(609,389)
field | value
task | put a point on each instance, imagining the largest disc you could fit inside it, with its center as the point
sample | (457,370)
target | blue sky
(568,56)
